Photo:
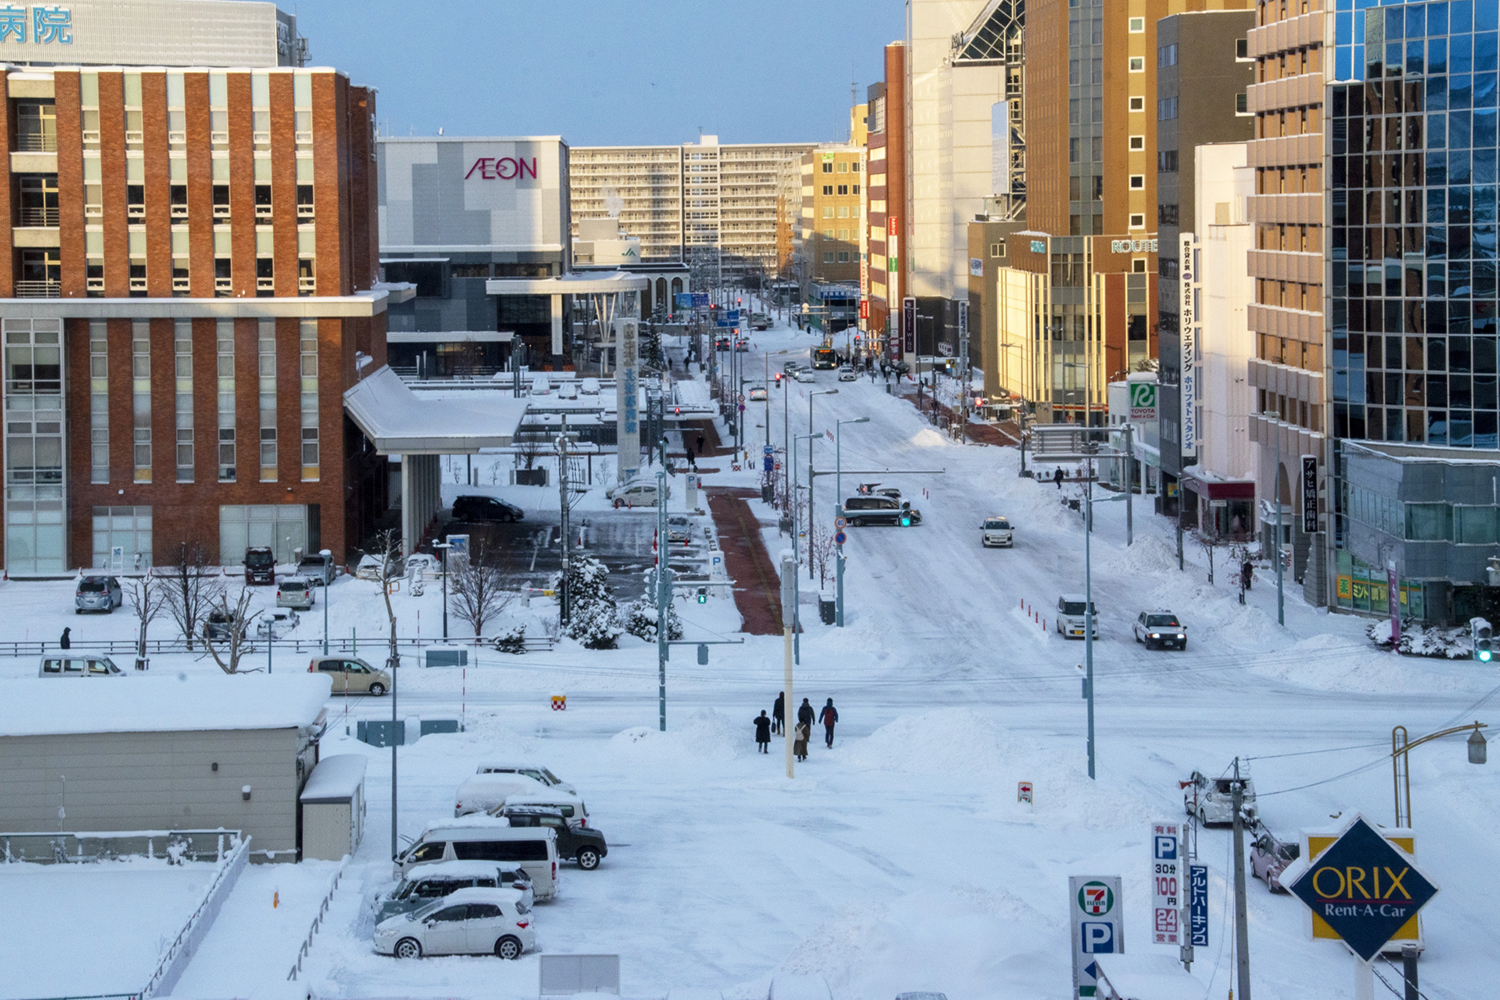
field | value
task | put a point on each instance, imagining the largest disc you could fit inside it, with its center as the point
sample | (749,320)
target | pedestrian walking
(763,732)
(1247,574)
(1057,477)
(828,717)
(691,460)
(65,642)
(799,740)
(700,444)
(778,713)
(805,714)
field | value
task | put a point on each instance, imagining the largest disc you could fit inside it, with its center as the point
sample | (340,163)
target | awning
(442,422)
(576,283)
(450,337)
(1219,489)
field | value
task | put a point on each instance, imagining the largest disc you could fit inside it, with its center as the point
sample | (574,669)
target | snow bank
(928,438)
(703,736)
(1333,663)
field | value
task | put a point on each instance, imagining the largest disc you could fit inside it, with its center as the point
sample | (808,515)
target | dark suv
(880,510)
(260,565)
(583,844)
(480,509)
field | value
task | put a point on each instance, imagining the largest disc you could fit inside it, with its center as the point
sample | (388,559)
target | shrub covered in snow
(640,620)
(513,642)
(591,611)
(1424,640)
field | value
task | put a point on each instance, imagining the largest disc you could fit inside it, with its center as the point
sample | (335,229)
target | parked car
(78,666)
(424,563)
(482,838)
(679,528)
(295,592)
(465,922)
(721,344)
(351,675)
(1212,799)
(860,511)
(487,791)
(98,593)
(876,490)
(742,346)
(760,321)
(757,393)
(567,390)
(218,627)
(541,386)
(790,366)
(996,530)
(568,803)
(260,565)
(588,387)
(1159,629)
(636,494)
(317,568)
(369,568)
(1269,857)
(432,882)
(583,844)
(536,772)
(478,510)
(804,375)
(847,374)
(1072,610)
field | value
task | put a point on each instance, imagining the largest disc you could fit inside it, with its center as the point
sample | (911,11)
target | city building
(885,201)
(1412,311)
(1202,72)
(192,286)
(640,186)
(829,238)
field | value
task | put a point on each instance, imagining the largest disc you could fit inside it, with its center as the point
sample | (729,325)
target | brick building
(192,278)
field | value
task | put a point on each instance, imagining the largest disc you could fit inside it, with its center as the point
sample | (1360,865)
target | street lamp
(838,478)
(327,582)
(1400,746)
(1276,491)
(810,480)
(796,631)
(444,547)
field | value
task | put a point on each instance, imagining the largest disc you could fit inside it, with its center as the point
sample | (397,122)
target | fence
(317,921)
(175,961)
(87,846)
(312,647)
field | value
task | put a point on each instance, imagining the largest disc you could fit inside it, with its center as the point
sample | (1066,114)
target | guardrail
(317,921)
(309,646)
(82,846)
(174,960)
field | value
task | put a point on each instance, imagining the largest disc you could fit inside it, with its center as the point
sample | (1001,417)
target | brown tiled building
(192,279)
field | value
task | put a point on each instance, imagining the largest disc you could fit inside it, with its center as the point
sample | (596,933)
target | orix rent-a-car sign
(1363,887)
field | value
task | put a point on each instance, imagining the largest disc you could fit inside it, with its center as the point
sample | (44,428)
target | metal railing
(83,847)
(36,142)
(312,645)
(38,289)
(33,215)
(174,960)
(317,921)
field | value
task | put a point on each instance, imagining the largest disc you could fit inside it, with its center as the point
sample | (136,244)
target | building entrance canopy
(399,421)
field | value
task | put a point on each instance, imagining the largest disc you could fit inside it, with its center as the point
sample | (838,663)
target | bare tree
(1210,542)
(390,556)
(822,552)
(476,588)
(529,447)
(190,590)
(229,623)
(147,599)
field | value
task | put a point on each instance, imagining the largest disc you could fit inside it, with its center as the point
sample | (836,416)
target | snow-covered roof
(163,703)
(576,283)
(336,778)
(402,422)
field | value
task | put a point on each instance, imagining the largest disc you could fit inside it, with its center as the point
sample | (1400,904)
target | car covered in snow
(996,531)
(1159,630)
(1212,799)
(536,772)
(757,393)
(848,374)
(1072,614)
(466,922)
(486,791)
(369,568)
(432,882)
(1269,857)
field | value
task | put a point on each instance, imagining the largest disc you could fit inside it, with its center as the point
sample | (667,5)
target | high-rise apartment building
(833,182)
(885,201)
(192,275)
(639,185)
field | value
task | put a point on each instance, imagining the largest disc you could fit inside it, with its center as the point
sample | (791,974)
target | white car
(425,564)
(536,772)
(567,390)
(368,568)
(757,393)
(1212,799)
(589,386)
(1071,609)
(1158,629)
(639,494)
(847,374)
(679,528)
(803,375)
(996,531)
(466,922)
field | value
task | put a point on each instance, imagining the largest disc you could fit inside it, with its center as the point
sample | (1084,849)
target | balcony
(38,289)
(29,215)
(223,287)
(306,285)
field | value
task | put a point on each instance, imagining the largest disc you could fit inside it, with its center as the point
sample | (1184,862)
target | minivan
(571,806)
(475,509)
(431,882)
(295,592)
(351,675)
(880,510)
(317,567)
(78,666)
(98,593)
(1071,610)
(533,848)
(260,565)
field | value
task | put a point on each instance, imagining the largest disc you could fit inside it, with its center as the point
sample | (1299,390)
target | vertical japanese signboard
(1309,494)
(1187,318)
(1198,905)
(892,248)
(908,325)
(627,420)
(1166,884)
(1098,927)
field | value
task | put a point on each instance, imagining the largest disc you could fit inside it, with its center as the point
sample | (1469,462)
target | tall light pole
(327,582)
(443,547)
(1276,491)
(796,631)
(810,479)
(838,478)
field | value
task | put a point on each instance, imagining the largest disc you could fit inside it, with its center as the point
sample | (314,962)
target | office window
(844,234)
(1166,161)
(140,375)
(1166,55)
(828,234)
(828,256)
(309,349)
(98,403)
(1241,48)
(1138,221)
(843,256)
(266,357)
(828,212)
(997,249)
(1137,64)
(827,189)
(843,211)
(182,347)
(225,376)
(843,189)
(1241,104)
(1137,104)
(843,167)
(827,166)
(1137,25)
(1137,142)
(854,189)
(1137,182)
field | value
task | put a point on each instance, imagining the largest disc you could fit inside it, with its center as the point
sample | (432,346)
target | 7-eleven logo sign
(1096,899)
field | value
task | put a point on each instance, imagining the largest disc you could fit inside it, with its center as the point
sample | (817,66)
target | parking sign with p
(1098,928)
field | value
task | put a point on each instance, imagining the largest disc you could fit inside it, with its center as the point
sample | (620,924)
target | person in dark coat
(805,714)
(700,444)
(763,732)
(1057,477)
(65,642)
(828,717)
(1247,574)
(778,713)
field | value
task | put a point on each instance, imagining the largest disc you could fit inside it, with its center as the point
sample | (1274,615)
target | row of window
(841,166)
(841,189)
(1425,522)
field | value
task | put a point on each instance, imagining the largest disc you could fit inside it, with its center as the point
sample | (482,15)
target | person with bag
(799,740)
(828,717)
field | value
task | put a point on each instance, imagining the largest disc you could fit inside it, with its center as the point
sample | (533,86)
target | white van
(534,848)
(78,666)
(485,791)
(571,806)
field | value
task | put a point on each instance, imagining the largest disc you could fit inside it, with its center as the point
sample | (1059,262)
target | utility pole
(1241,916)
(663,593)
(1088,609)
(963,373)
(788,626)
(1129,484)
(562,493)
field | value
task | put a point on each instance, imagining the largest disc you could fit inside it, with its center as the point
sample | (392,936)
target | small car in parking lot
(98,593)
(996,531)
(218,627)
(1072,610)
(295,592)
(847,374)
(638,494)
(1159,629)
(757,393)
(679,528)
(465,922)
(581,843)
(1269,857)
(479,510)
(432,882)
(369,568)
(1212,799)
(351,675)
(78,666)
(317,568)
(424,563)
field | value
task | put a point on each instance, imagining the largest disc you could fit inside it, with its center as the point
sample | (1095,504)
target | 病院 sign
(1098,927)
(1166,883)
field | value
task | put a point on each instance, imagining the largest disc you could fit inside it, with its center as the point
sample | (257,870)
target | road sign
(1362,888)
(742,407)
(742,397)
(840,538)
(769,462)
(840,523)
(1098,927)
(1198,906)
(1166,877)
(768,451)
(1024,791)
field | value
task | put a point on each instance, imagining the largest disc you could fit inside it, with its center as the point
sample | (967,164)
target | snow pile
(928,438)
(1424,640)
(703,736)
(1333,663)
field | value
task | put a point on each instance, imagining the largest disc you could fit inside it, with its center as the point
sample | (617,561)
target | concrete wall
(154,781)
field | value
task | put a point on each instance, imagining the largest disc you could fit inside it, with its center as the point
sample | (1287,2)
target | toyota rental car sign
(1098,927)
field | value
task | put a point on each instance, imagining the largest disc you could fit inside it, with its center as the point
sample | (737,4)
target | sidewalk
(1000,435)
(757,590)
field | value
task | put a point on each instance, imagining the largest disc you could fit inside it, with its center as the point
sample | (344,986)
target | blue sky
(608,72)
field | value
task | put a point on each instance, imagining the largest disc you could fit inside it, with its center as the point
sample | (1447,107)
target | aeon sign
(504,168)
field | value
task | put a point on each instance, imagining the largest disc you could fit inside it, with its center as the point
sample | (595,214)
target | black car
(479,509)
(583,844)
(864,510)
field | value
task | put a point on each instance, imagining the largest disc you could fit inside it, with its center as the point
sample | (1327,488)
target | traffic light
(1484,639)
(906,515)
(702,595)
(738,301)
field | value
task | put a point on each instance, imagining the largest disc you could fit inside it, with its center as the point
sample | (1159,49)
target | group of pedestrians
(766,726)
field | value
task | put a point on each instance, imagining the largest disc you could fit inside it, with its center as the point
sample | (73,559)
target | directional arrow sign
(1363,888)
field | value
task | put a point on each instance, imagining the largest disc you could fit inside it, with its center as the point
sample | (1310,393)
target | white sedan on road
(848,374)
(804,375)
(757,393)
